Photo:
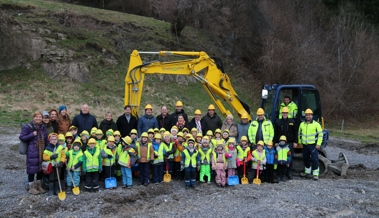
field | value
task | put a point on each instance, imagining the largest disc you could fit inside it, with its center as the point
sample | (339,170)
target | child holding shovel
(244,155)
(127,158)
(75,161)
(110,157)
(259,159)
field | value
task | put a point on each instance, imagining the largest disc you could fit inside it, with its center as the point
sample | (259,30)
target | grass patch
(367,135)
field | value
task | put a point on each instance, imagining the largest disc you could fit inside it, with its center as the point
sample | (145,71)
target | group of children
(93,156)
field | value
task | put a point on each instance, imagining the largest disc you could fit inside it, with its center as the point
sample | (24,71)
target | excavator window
(310,99)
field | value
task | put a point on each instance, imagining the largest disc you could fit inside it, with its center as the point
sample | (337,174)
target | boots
(56,188)
(32,189)
(39,187)
(68,189)
(51,189)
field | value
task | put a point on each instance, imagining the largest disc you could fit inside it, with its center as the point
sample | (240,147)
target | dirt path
(332,196)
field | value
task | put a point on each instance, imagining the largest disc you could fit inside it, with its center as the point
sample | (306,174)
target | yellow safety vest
(310,133)
(139,151)
(206,155)
(190,159)
(58,152)
(257,157)
(292,108)
(124,159)
(107,161)
(267,131)
(92,161)
(73,160)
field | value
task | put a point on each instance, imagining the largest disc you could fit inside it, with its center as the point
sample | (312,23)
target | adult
(126,122)
(164,119)
(287,127)
(310,138)
(64,121)
(107,123)
(230,125)
(292,107)
(198,123)
(53,118)
(260,129)
(84,120)
(181,124)
(36,135)
(243,127)
(147,121)
(178,111)
(46,121)
(212,120)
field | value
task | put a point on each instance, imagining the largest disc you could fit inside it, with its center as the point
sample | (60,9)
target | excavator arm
(215,81)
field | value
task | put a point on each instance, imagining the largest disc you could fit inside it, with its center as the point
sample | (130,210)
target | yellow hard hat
(61,137)
(269,142)
(209,133)
(179,104)
(308,111)
(197,112)
(109,132)
(85,132)
(72,127)
(191,139)
(260,111)
(158,136)
(144,134)
(116,133)
(199,135)
(180,134)
(225,130)
(260,143)
(68,134)
(194,130)
(133,131)
(232,140)
(174,128)
(156,130)
(285,110)
(211,107)
(90,141)
(244,116)
(127,140)
(243,138)
(283,138)
(99,132)
(150,131)
(217,131)
(111,139)
(185,129)
(93,130)
(162,130)
(166,133)
(206,138)
(148,106)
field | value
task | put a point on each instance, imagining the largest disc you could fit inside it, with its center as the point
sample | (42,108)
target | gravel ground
(332,196)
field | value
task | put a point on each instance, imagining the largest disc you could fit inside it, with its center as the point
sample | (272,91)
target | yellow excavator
(210,72)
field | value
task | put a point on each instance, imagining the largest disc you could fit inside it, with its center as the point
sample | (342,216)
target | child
(199,138)
(127,158)
(74,131)
(190,163)
(150,133)
(92,166)
(217,137)
(283,158)
(225,137)
(84,138)
(194,132)
(134,135)
(109,155)
(244,156)
(270,161)
(179,144)
(100,142)
(174,132)
(169,155)
(117,143)
(108,133)
(162,131)
(146,157)
(156,130)
(69,138)
(93,132)
(158,164)
(75,161)
(54,154)
(232,157)
(219,164)
(62,175)
(185,132)
(258,157)
(205,159)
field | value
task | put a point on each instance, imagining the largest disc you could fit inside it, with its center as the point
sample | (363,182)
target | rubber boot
(32,189)
(39,187)
(68,189)
(51,189)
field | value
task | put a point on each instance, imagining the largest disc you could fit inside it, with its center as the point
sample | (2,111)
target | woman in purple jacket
(36,135)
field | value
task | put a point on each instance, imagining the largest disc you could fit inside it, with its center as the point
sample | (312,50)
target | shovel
(167,176)
(110,182)
(61,194)
(75,190)
(257,180)
(244,180)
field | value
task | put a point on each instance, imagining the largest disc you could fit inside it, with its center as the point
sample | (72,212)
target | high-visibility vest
(74,159)
(124,159)
(292,109)
(101,143)
(169,148)
(190,159)
(58,151)
(282,153)
(206,155)
(159,153)
(257,157)
(92,161)
(267,131)
(139,150)
(109,161)
(310,133)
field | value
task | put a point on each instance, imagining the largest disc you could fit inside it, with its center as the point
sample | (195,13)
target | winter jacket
(270,155)
(233,131)
(145,123)
(174,116)
(213,122)
(84,122)
(265,130)
(243,130)
(165,122)
(124,126)
(92,151)
(285,127)
(203,124)
(64,123)
(32,155)
(105,125)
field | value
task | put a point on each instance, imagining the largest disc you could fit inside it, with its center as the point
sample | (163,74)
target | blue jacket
(145,123)
(84,122)
(270,155)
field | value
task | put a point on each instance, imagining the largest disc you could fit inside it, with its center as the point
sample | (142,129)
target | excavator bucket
(340,165)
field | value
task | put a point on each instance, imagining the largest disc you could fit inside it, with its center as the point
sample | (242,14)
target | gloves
(181,167)
(59,164)
(110,156)
(151,161)
(53,156)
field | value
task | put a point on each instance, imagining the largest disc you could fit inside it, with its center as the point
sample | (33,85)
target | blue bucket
(233,180)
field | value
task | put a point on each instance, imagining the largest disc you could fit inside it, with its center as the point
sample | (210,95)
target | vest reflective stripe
(207,155)
(139,151)
(292,108)
(240,153)
(190,159)
(310,133)
(73,160)
(92,161)
(257,157)
(215,158)
(124,159)
(58,152)
(282,153)
(267,131)
(160,157)
(106,161)
(169,149)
